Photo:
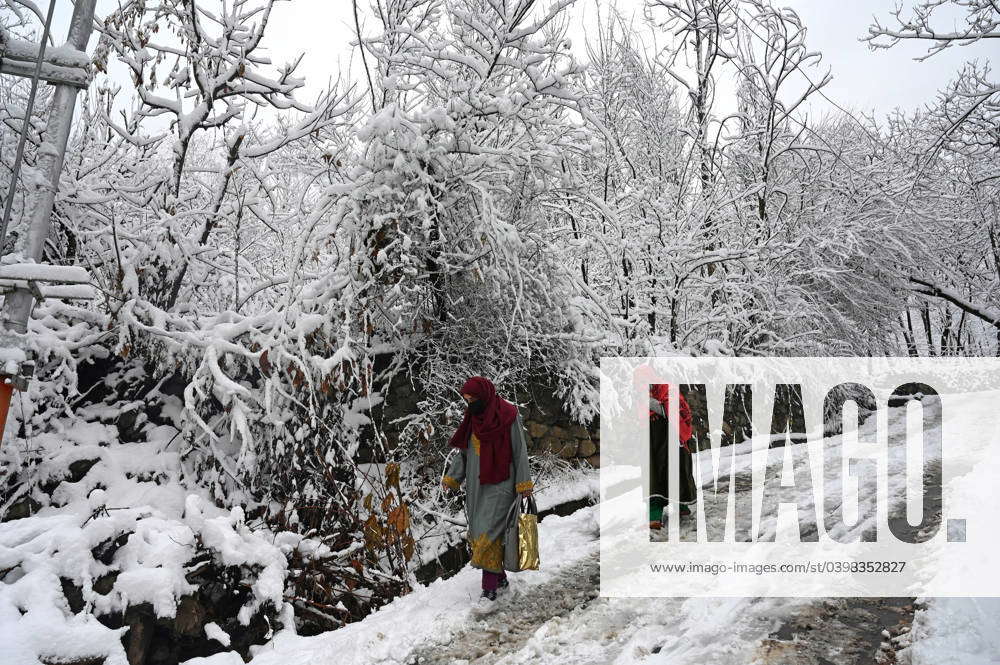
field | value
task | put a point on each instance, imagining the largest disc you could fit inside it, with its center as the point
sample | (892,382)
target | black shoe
(504,585)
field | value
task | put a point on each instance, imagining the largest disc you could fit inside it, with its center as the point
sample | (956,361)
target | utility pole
(17,305)
(68,69)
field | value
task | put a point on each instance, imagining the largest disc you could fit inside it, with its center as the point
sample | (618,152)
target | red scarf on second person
(491,427)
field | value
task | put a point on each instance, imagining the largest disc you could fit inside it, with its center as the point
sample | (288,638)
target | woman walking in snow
(492,459)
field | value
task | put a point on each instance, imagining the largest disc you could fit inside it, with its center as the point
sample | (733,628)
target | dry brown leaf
(392,474)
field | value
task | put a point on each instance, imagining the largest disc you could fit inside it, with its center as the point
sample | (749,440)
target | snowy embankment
(960,631)
(120,530)
(553,615)
(955,631)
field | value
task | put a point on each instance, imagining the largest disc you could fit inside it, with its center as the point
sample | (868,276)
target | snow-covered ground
(955,631)
(553,615)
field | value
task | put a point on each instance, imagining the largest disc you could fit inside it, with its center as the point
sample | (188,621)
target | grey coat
(486,506)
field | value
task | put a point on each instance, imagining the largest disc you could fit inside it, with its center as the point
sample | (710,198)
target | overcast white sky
(863,80)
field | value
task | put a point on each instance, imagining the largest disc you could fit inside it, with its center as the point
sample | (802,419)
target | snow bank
(955,631)
(122,529)
(575,485)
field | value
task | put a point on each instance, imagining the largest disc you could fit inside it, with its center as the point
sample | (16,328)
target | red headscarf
(491,427)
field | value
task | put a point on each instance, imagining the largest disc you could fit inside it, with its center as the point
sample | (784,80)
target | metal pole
(25,127)
(17,305)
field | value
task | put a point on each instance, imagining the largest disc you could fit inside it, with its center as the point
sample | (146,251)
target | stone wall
(551,430)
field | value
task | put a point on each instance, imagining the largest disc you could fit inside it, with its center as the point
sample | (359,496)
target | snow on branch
(982,21)
(928,287)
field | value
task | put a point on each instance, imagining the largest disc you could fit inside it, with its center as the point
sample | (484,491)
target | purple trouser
(491,581)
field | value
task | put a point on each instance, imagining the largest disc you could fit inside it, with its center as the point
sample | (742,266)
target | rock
(594,461)
(73,594)
(587,448)
(105,583)
(130,425)
(139,636)
(23,507)
(105,551)
(190,619)
(536,430)
(564,448)
(80,468)
(221,592)
(579,432)
(558,433)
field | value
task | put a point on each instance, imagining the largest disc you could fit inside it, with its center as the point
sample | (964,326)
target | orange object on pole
(6,392)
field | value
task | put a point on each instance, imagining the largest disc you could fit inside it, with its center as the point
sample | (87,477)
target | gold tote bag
(521,539)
